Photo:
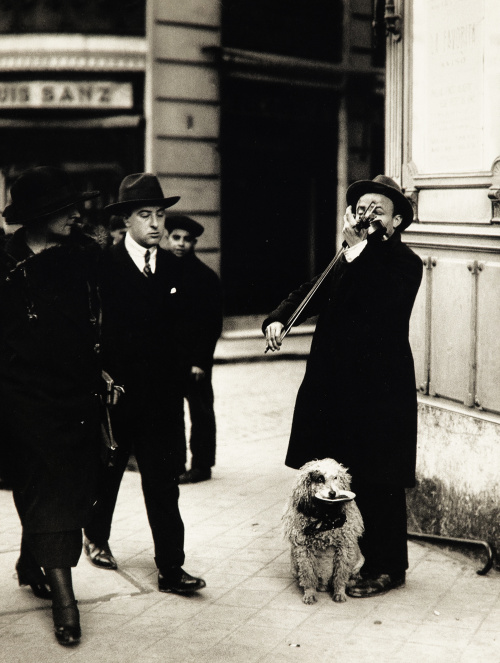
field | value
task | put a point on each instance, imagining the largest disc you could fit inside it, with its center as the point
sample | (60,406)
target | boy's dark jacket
(198,290)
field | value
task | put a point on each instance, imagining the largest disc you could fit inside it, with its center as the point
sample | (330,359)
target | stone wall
(458,475)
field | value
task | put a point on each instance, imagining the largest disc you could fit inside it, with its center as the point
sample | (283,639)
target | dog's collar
(325,524)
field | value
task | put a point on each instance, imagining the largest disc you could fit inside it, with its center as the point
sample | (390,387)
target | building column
(182,112)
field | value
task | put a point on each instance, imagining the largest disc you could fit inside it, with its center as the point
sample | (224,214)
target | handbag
(110,396)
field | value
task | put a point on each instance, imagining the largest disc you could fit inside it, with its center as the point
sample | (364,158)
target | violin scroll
(365,219)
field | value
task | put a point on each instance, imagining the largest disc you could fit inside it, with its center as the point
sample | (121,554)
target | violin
(365,219)
(363,222)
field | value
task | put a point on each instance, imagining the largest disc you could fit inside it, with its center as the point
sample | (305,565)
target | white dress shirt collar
(137,253)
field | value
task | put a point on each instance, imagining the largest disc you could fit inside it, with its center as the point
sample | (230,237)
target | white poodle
(323,534)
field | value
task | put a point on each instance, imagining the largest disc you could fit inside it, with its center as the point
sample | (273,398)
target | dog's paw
(339,597)
(309,598)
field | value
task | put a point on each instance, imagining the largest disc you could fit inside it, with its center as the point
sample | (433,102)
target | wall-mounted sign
(65,94)
(450,65)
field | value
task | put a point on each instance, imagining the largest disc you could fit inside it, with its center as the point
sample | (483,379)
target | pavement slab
(251,610)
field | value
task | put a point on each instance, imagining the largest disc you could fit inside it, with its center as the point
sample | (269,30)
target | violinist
(357,402)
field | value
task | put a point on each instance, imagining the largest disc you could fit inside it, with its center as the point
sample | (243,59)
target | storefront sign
(65,94)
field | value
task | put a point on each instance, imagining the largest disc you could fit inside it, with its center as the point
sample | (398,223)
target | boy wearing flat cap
(357,402)
(199,293)
(142,352)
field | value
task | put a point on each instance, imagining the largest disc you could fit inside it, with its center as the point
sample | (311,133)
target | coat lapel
(126,268)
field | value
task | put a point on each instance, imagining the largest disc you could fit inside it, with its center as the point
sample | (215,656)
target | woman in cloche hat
(49,380)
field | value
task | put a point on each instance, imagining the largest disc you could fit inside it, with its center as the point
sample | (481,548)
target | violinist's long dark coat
(357,402)
(49,378)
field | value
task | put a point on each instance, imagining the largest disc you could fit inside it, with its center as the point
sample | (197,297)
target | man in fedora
(357,402)
(199,292)
(142,352)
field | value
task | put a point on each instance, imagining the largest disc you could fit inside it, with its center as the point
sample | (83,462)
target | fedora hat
(183,223)
(41,191)
(387,187)
(137,190)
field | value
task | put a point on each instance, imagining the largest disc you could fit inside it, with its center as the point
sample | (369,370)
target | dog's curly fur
(322,560)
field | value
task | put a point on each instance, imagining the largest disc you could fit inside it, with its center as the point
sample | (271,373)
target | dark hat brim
(123,207)
(401,203)
(18,216)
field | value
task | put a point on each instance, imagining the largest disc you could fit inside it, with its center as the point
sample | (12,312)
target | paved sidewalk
(251,610)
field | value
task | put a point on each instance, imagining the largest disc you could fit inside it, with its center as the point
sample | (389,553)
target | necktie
(147,267)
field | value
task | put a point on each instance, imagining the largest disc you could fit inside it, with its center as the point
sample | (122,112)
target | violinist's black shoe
(67,624)
(35,578)
(176,580)
(366,587)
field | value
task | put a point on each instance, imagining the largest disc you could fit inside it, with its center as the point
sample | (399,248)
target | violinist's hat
(387,187)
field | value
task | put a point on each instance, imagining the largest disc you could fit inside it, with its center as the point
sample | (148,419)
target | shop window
(116,17)
(296,28)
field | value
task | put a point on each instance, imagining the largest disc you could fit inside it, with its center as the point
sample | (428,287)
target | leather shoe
(375,585)
(35,578)
(179,582)
(195,475)
(100,556)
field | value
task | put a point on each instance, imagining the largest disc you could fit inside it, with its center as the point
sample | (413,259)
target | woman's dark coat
(357,402)
(49,378)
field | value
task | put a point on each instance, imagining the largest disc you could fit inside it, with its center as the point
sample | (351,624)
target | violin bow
(364,222)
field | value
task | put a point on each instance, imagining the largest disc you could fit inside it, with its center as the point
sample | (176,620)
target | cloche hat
(387,187)
(41,191)
(140,189)
(183,223)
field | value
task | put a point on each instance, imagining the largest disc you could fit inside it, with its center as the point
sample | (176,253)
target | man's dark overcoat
(142,330)
(357,402)
(143,348)
(49,378)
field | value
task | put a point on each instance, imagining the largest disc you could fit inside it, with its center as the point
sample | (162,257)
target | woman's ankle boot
(64,606)
(67,623)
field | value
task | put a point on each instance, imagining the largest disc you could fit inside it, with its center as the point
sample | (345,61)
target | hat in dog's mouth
(340,496)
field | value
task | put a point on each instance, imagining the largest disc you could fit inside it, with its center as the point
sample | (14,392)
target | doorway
(279,189)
